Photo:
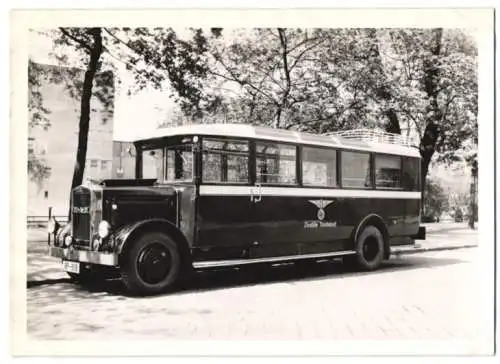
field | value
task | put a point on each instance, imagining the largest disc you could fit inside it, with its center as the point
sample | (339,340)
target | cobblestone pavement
(427,296)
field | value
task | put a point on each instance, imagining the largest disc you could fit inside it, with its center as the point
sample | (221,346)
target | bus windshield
(170,164)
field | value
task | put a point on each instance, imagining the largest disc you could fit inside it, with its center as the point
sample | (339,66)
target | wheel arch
(378,222)
(127,235)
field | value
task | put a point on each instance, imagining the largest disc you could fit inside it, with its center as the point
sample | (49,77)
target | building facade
(56,145)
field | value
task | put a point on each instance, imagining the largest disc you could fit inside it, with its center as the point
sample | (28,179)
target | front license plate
(72,267)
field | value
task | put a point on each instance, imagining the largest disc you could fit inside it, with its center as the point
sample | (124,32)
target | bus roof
(278,135)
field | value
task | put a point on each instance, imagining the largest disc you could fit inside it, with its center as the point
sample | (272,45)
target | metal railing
(371,136)
(41,221)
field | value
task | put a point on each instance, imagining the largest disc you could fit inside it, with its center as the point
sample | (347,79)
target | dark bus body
(226,195)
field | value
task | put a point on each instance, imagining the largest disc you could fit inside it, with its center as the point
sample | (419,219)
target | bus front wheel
(152,265)
(369,248)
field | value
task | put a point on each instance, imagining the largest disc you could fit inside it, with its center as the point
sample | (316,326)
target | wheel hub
(370,249)
(154,263)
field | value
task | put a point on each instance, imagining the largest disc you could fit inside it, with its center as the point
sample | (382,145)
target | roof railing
(371,136)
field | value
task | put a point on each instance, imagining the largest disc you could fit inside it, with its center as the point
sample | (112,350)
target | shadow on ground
(210,280)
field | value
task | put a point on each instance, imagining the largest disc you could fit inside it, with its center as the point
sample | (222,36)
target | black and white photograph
(234,176)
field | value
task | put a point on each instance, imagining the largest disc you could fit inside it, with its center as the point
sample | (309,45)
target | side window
(356,171)
(319,167)
(388,171)
(225,161)
(276,163)
(180,163)
(411,174)
(152,164)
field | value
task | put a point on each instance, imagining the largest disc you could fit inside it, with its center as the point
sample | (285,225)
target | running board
(233,262)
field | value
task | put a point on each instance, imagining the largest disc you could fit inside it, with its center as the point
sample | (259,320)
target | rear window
(411,174)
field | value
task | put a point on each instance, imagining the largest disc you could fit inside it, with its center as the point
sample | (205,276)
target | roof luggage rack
(371,136)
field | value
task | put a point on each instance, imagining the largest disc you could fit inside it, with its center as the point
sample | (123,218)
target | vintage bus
(221,195)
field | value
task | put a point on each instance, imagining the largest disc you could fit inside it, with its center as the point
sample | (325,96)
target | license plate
(72,267)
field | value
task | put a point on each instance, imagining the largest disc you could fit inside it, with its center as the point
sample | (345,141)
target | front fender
(126,234)
(61,234)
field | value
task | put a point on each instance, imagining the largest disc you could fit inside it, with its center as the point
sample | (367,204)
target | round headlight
(68,239)
(104,229)
(52,226)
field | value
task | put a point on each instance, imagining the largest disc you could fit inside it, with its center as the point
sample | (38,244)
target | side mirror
(129,151)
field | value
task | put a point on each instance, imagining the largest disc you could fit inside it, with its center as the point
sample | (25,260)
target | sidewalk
(444,236)
(441,238)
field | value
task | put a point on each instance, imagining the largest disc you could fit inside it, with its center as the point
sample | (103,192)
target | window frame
(226,139)
(297,183)
(335,151)
(400,188)
(417,160)
(165,164)
(370,167)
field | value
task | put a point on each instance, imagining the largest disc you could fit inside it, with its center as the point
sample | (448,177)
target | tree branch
(76,40)
(234,78)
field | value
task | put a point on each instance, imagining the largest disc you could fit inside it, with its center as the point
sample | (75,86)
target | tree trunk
(382,89)
(435,117)
(81,154)
(427,149)
(286,70)
(393,125)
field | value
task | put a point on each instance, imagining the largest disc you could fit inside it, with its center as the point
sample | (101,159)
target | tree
(436,201)
(88,40)
(154,55)
(38,171)
(305,79)
(423,81)
(437,74)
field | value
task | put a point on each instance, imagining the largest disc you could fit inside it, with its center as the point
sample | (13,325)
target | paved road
(428,296)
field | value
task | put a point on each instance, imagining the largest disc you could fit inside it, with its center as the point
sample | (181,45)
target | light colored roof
(280,135)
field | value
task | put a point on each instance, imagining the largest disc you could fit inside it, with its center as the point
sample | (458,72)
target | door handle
(258,198)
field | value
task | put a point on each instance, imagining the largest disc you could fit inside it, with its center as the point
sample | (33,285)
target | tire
(152,265)
(369,249)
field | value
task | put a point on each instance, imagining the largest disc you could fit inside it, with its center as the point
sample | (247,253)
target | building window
(276,163)
(319,167)
(225,161)
(94,163)
(356,171)
(388,171)
(104,165)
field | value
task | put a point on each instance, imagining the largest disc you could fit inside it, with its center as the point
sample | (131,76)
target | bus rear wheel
(152,265)
(369,249)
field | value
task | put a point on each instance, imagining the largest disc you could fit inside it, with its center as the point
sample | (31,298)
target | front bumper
(84,256)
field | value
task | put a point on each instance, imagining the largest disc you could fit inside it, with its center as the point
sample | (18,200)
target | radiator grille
(81,216)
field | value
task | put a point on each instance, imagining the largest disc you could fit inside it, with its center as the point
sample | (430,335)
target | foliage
(419,81)
(38,171)
(154,55)
(423,81)
(436,200)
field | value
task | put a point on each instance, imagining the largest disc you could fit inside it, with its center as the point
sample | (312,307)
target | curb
(432,249)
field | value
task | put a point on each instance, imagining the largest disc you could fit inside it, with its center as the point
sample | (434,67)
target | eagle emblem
(321,205)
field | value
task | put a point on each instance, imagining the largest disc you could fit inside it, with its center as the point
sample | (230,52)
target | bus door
(225,207)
